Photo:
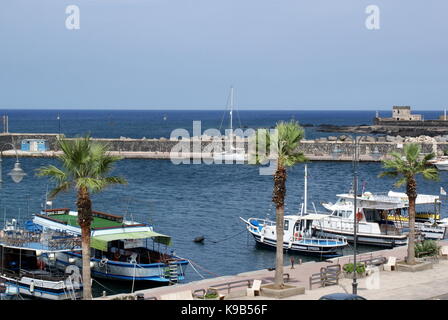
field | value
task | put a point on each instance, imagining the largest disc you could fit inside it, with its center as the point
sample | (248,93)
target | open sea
(186,201)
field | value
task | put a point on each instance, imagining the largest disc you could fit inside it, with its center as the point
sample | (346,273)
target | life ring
(297,236)
(359,216)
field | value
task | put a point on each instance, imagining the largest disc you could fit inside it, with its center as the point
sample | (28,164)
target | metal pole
(59,123)
(1,169)
(305,200)
(355,191)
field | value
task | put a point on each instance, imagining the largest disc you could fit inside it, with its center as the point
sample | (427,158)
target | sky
(186,54)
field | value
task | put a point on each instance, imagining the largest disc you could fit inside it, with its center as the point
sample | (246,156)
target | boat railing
(263,221)
(326,239)
(50,276)
(50,241)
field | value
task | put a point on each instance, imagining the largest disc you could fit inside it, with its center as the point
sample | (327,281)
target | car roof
(340,295)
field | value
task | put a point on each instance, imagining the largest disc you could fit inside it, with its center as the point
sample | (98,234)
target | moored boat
(24,272)
(121,249)
(372,225)
(298,235)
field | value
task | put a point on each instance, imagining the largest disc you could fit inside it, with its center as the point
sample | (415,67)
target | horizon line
(206,109)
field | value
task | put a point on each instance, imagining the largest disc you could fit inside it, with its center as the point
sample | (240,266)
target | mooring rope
(114,292)
(199,266)
(229,237)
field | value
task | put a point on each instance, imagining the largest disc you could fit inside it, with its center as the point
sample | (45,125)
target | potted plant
(349,268)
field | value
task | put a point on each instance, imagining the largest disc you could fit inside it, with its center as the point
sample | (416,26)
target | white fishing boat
(232,153)
(441,163)
(340,204)
(299,235)
(23,270)
(121,249)
(420,216)
(394,210)
(373,227)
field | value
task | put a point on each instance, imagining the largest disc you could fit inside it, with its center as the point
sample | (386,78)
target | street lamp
(17,173)
(336,153)
(355,220)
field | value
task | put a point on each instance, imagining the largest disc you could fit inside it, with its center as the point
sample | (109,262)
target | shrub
(426,248)
(360,268)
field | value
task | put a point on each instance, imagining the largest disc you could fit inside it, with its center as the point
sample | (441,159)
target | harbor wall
(410,123)
(370,148)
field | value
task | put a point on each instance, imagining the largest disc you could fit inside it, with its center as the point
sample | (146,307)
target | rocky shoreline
(410,131)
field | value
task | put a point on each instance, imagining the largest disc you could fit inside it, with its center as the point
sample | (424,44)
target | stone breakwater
(403,128)
(332,148)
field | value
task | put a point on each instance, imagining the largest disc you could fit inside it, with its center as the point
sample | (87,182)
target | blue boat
(298,235)
(121,250)
(23,271)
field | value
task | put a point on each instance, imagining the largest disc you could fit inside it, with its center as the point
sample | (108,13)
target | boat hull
(369,239)
(123,271)
(42,289)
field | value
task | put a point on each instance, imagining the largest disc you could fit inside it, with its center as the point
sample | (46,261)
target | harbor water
(190,200)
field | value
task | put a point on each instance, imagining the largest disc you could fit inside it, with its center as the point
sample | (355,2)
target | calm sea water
(186,201)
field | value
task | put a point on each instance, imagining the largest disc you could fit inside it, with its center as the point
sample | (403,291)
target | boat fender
(103,262)
(40,264)
(262,239)
(32,286)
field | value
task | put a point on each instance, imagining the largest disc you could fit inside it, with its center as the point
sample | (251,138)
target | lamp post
(336,152)
(16,173)
(355,219)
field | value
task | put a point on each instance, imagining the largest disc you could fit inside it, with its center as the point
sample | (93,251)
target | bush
(426,248)
(360,268)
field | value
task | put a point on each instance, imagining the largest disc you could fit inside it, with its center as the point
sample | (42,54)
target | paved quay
(392,285)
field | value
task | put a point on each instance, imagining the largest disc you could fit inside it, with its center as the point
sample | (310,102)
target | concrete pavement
(393,285)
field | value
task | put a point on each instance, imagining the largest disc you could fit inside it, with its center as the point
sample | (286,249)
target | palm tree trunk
(85,219)
(278,198)
(412,195)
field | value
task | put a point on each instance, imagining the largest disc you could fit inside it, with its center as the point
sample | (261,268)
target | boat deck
(97,222)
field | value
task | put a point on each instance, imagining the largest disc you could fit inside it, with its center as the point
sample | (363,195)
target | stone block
(288,291)
(420,266)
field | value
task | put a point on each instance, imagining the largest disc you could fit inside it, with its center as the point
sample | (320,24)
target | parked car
(342,296)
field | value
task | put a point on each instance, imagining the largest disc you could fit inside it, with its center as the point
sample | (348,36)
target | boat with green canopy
(121,249)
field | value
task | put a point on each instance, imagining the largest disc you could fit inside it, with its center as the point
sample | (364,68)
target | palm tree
(283,144)
(85,168)
(406,166)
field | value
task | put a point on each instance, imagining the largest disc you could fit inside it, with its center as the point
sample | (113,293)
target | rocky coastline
(409,131)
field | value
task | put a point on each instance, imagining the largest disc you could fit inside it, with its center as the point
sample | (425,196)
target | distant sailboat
(234,154)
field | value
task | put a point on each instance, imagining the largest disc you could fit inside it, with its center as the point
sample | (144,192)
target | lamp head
(17,173)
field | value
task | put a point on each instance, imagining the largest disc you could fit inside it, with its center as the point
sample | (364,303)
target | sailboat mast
(231,109)
(305,200)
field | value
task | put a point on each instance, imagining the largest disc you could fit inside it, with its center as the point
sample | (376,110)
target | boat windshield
(342,213)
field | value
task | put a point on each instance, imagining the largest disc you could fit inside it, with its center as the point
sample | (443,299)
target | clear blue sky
(306,54)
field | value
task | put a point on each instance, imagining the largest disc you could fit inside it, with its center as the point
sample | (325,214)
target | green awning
(100,242)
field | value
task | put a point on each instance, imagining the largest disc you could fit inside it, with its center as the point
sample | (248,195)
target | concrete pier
(392,285)
(333,148)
